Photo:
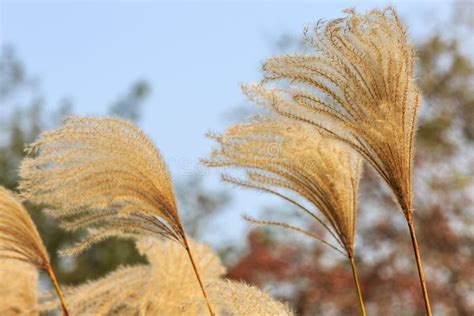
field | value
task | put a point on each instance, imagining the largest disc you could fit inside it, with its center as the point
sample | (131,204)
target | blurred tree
(199,204)
(444,182)
(129,106)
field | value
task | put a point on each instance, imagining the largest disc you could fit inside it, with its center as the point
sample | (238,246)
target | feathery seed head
(280,155)
(167,287)
(104,296)
(240,299)
(101,173)
(356,87)
(19,238)
(18,293)
(163,287)
(172,283)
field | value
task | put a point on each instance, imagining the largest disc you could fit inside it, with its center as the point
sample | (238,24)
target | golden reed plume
(175,293)
(18,294)
(167,286)
(172,278)
(240,299)
(19,239)
(278,155)
(106,176)
(110,295)
(358,88)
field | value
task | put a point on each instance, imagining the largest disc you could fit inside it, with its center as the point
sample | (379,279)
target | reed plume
(19,239)
(105,176)
(278,155)
(18,295)
(175,294)
(117,291)
(172,277)
(166,286)
(240,299)
(358,88)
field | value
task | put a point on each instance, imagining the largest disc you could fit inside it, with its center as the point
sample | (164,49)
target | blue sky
(193,54)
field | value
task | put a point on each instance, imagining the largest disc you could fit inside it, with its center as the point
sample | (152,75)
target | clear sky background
(193,54)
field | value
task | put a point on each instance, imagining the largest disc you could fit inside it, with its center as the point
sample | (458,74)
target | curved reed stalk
(106,176)
(277,155)
(19,239)
(356,87)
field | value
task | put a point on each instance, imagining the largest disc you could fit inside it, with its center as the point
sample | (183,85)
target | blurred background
(174,68)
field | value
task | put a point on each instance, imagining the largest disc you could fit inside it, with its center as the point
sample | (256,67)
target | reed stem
(50,272)
(416,249)
(188,250)
(356,282)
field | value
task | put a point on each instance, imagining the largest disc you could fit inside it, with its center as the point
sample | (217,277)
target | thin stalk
(50,272)
(416,249)
(356,282)
(188,250)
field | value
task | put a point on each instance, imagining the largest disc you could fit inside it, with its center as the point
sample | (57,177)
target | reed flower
(357,87)
(106,296)
(18,291)
(172,276)
(174,292)
(103,175)
(20,240)
(279,156)
(240,299)
(166,286)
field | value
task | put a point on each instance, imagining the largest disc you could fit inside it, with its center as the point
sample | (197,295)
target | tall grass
(278,157)
(353,98)
(356,87)
(105,174)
